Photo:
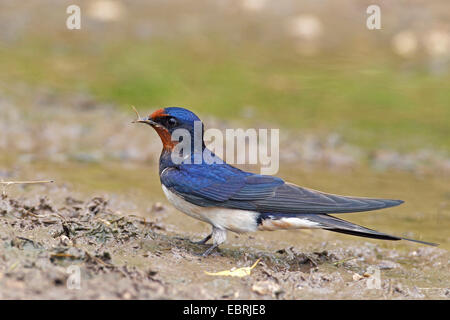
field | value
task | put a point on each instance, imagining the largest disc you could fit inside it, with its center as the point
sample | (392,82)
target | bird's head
(165,121)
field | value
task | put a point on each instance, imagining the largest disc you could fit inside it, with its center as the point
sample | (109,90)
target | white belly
(222,218)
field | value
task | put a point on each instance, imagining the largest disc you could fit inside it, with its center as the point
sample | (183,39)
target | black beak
(147,121)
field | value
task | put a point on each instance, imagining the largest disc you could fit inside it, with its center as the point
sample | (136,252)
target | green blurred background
(304,64)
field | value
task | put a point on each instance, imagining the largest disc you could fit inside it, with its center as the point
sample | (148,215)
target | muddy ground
(125,256)
(106,219)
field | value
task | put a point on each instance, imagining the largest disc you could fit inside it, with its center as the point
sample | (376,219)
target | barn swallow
(231,199)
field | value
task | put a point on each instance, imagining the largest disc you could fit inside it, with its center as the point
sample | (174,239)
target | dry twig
(6,184)
(137,114)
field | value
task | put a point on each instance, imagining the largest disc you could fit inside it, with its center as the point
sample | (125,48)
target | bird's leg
(203,241)
(219,236)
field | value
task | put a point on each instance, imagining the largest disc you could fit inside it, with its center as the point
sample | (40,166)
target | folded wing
(229,187)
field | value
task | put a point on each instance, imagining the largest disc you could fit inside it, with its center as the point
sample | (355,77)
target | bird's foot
(209,250)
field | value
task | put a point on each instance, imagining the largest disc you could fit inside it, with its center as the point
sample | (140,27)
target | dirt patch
(45,246)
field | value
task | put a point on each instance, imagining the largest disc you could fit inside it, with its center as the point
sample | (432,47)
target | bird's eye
(172,122)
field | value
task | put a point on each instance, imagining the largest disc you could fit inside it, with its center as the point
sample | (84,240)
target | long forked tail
(338,225)
(277,221)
